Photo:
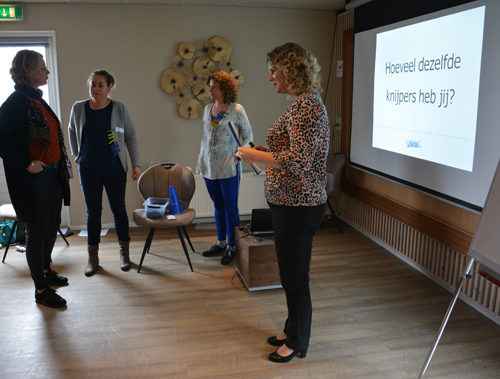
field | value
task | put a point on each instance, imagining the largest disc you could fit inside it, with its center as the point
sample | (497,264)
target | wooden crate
(256,262)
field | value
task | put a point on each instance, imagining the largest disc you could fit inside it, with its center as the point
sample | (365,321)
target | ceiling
(291,4)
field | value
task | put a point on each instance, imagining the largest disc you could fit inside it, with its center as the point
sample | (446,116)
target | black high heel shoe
(275,357)
(274,341)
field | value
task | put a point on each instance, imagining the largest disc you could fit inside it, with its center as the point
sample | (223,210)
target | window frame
(48,39)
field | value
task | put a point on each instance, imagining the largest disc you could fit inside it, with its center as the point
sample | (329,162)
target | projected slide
(426,89)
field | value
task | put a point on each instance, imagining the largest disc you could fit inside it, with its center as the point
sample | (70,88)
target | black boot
(54,278)
(213,251)
(49,298)
(228,256)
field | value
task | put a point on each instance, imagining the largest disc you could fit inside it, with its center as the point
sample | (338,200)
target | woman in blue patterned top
(295,189)
(216,161)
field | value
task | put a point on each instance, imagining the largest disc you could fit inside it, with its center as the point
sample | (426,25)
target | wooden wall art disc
(219,49)
(172,80)
(186,50)
(203,67)
(190,109)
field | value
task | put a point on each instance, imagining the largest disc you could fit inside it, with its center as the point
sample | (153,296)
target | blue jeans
(224,194)
(92,185)
(294,229)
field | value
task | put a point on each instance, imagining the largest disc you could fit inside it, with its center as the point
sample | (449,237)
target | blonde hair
(23,65)
(299,67)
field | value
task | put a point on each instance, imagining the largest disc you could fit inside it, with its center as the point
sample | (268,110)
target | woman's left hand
(136,172)
(35,167)
(253,155)
(246,154)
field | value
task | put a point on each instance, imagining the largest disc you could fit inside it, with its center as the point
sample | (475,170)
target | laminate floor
(373,317)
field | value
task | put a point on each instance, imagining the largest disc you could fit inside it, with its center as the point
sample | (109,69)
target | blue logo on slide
(412,143)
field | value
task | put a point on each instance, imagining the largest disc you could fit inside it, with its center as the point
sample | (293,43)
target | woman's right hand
(260,148)
(35,167)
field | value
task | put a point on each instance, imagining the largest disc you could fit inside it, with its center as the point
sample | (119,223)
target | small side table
(256,262)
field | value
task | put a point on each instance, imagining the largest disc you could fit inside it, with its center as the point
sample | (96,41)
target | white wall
(137,42)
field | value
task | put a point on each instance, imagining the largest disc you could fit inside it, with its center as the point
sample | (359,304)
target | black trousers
(41,230)
(294,229)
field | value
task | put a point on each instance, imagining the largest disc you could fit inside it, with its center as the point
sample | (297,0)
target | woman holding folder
(216,161)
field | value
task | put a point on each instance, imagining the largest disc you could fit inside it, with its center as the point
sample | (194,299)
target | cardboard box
(256,262)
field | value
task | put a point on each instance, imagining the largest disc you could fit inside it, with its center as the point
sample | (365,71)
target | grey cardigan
(120,123)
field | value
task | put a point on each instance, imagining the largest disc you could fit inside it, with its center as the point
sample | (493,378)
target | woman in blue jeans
(216,161)
(295,186)
(99,131)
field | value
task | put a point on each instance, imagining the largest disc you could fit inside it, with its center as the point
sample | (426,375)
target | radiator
(251,196)
(430,257)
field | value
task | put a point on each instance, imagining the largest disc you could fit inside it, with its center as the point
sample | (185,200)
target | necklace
(217,119)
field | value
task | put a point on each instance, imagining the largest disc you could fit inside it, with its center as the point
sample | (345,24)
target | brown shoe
(124,255)
(93,263)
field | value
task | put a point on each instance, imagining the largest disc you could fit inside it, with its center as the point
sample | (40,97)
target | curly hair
(300,68)
(23,65)
(226,84)
(110,81)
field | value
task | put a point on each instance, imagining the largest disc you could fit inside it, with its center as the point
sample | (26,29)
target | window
(45,43)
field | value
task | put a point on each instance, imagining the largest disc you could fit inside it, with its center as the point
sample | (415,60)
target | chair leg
(63,236)
(185,247)
(332,212)
(339,223)
(187,237)
(334,215)
(14,226)
(147,245)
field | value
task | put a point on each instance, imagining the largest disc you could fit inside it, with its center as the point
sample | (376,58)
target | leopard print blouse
(299,140)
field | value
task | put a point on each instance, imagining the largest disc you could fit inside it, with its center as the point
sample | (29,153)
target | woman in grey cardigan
(99,130)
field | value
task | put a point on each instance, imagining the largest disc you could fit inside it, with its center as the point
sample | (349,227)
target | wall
(137,42)
(430,235)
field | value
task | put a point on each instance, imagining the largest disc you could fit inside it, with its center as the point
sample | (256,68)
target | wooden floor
(373,317)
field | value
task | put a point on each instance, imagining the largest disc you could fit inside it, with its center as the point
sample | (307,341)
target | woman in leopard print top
(299,141)
(295,162)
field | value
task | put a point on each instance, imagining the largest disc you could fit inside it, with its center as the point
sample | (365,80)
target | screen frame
(378,15)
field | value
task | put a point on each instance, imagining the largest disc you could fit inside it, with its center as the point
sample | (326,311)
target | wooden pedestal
(256,262)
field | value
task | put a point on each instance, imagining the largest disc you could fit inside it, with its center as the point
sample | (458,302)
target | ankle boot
(124,255)
(93,263)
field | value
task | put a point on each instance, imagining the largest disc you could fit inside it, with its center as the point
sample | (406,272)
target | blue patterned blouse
(218,145)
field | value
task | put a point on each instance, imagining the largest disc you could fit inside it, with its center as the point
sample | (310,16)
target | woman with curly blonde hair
(216,163)
(295,186)
(299,66)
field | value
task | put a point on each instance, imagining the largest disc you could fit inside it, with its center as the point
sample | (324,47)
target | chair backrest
(156,180)
(334,164)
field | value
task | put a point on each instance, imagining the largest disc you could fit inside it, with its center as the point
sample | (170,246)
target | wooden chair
(334,165)
(155,181)
(7,212)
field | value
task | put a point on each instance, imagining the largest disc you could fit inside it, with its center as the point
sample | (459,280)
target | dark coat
(14,150)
